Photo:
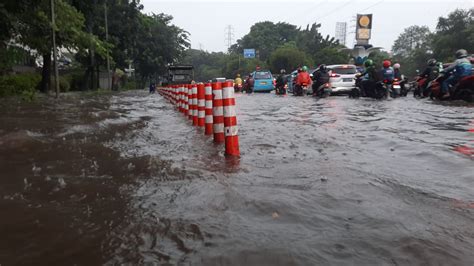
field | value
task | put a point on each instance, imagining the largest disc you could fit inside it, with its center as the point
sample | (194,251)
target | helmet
(322,67)
(396,66)
(432,62)
(368,63)
(461,53)
(282,71)
(238,75)
(305,68)
(387,64)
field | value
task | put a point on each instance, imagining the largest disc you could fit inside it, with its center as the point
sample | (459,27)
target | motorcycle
(301,90)
(463,90)
(281,90)
(323,91)
(393,87)
(370,89)
(238,87)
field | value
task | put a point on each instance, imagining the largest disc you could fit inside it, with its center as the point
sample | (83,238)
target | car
(342,78)
(263,81)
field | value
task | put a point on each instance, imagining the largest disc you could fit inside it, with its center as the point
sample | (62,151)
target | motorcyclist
(321,77)
(281,82)
(303,78)
(387,72)
(370,73)
(430,73)
(237,83)
(462,68)
(370,78)
(238,80)
(396,71)
(249,82)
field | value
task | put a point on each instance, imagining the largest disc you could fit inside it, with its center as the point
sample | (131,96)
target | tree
(413,38)
(453,33)
(288,57)
(331,56)
(34,30)
(265,37)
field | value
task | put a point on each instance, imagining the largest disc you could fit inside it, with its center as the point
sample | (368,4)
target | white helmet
(396,66)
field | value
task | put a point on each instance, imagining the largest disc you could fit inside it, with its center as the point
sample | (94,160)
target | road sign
(249,53)
(363,27)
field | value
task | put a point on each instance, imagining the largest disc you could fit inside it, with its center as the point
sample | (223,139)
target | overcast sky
(206,21)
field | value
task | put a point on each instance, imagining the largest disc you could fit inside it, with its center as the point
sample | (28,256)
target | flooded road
(125,179)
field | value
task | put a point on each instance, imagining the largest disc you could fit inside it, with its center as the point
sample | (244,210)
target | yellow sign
(363,34)
(364,21)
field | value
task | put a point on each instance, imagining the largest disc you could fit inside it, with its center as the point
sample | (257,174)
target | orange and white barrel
(208,109)
(195,104)
(201,105)
(185,100)
(230,120)
(180,100)
(175,95)
(218,112)
(190,102)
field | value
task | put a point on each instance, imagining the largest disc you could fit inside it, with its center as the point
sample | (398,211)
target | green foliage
(453,33)
(331,56)
(64,85)
(129,85)
(416,45)
(412,39)
(378,57)
(23,85)
(288,58)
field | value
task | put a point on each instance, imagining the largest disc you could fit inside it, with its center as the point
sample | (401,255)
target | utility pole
(229,36)
(55,62)
(107,48)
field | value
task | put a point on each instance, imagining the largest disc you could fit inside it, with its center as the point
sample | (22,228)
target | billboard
(364,27)
(249,53)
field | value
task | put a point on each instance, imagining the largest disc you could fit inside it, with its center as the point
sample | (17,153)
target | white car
(342,78)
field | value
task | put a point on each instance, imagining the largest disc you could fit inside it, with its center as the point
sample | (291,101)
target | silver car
(342,78)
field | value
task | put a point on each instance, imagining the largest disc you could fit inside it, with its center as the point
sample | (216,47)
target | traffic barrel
(174,94)
(201,104)
(180,100)
(185,100)
(208,110)
(230,120)
(190,102)
(195,104)
(218,112)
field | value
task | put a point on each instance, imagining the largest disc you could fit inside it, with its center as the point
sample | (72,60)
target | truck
(180,74)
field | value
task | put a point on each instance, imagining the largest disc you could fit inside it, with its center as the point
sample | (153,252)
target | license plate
(263,83)
(347,80)
(396,86)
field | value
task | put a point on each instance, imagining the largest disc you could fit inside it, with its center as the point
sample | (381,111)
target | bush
(23,85)
(63,84)
(130,85)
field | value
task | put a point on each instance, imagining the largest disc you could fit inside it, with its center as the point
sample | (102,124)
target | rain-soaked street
(125,179)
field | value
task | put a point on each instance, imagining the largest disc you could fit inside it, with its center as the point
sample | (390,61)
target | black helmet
(282,71)
(432,62)
(322,67)
(461,53)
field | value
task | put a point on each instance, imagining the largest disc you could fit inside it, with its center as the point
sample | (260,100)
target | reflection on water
(125,179)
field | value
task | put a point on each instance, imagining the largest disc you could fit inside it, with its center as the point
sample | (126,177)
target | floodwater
(125,179)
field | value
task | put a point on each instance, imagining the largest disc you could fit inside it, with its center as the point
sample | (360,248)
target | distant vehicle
(342,78)
(219,80)
(263,81)
(180,74)
(290,81)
